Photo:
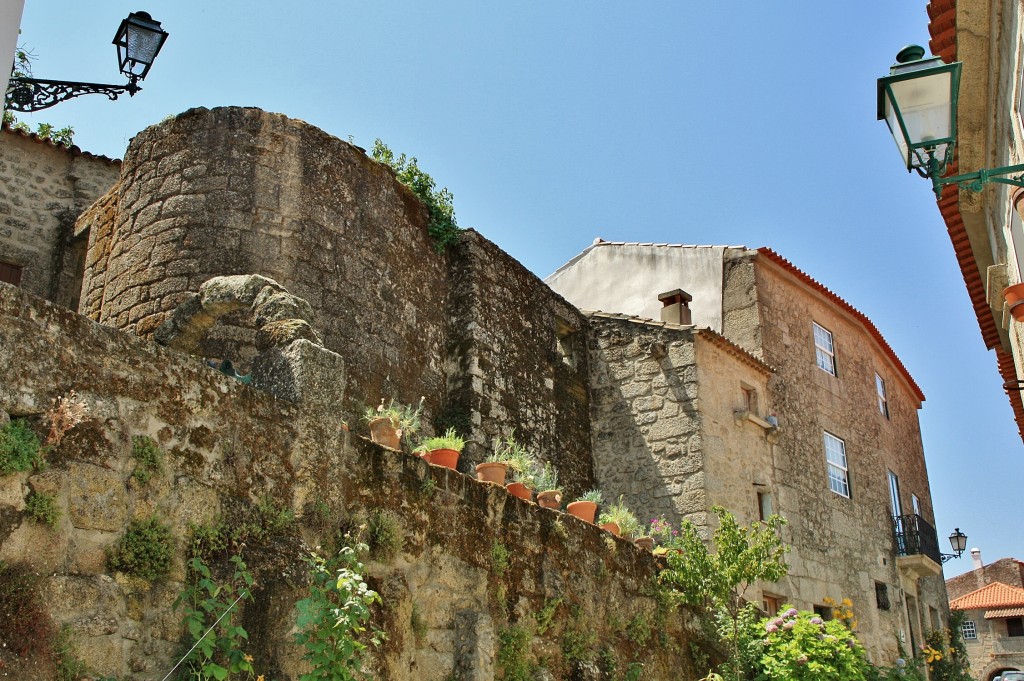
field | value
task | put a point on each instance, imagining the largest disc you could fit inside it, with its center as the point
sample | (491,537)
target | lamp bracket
(33,94)
(975,182)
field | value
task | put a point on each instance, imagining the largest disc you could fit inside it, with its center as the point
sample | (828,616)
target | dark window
(1015,626)
(10,274)
(764,506)
(882,595)
(823,611)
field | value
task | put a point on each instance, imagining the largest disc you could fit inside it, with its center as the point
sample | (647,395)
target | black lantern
(958,540)
(138,41)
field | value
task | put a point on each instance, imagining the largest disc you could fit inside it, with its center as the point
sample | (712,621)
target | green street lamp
(918,101)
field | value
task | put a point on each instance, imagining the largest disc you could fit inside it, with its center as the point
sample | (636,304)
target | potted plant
(547,481)
(495,466)
(444,450)
(585,507)
(619,520)
(521,464)
(1014,296)
(388,424)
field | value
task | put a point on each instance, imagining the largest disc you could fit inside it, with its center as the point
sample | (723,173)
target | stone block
(301,372)
(96,498)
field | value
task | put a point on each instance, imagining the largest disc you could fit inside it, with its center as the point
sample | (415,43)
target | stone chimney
(676,307)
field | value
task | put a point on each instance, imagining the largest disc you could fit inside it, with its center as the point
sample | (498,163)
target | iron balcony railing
(914,536)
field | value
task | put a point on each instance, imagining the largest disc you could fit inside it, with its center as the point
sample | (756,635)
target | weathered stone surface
(227,446)
(43,189)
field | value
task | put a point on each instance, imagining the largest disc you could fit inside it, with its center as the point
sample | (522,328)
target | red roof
(857,314)
(995,595)
(943,43)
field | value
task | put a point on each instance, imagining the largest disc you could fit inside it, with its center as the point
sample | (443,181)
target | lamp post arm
(976,181)
(33,94)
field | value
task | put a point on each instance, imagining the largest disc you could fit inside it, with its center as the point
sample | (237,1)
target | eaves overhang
(942,28)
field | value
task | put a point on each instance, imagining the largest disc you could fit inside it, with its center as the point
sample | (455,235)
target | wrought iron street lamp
(918,100)
(138,40)
(958,540)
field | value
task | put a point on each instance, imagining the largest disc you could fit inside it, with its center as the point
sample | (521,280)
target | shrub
(148,458)
(144,550)
(209,614)
(20,449)
(333,618)
(800,646)
(441,223)
(42,508)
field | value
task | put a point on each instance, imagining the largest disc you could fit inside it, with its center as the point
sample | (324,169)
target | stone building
(992,600)
(46,186)
(797,406)
(244,235)
(985,228)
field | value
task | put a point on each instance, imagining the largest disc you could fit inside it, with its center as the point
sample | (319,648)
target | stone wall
(518,362)
(230,449)
(43,189)
(241,191)
(667,435)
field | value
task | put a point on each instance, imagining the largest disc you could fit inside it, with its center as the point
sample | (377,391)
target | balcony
(917,546)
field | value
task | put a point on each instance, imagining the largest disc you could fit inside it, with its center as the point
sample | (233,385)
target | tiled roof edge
(857,314)
(73,150)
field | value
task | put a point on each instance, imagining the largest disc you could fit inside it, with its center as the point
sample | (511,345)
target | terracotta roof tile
(995,595)
(73,150)
(860,316)
(1004,612)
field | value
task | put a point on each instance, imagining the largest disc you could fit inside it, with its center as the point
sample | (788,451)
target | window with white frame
(838,470)
(968,629)
(883,402)
(823,349)
(915,503)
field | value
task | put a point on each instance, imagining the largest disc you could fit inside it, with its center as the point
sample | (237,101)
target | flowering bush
(799,645)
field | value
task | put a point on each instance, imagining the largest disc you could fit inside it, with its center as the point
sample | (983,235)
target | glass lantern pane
(143,45)
(924,104)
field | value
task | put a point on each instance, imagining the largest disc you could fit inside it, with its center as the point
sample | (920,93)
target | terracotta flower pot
(518,489)
(491,472)
(645,543)
(611,527)
(1014,296)
(552,498)
(449,458)
(584,510)
(383,432)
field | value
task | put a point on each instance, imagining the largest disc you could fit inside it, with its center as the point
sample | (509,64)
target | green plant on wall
(946,654)
(20,448)
(42,508)
(144,550)
(148,458)
(209,615)
(513,652)
(441,223)
(333,619)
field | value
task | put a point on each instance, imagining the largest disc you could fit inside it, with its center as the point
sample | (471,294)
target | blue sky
(555,122)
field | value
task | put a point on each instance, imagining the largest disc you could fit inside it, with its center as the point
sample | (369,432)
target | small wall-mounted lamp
(138,40)
(958,540)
